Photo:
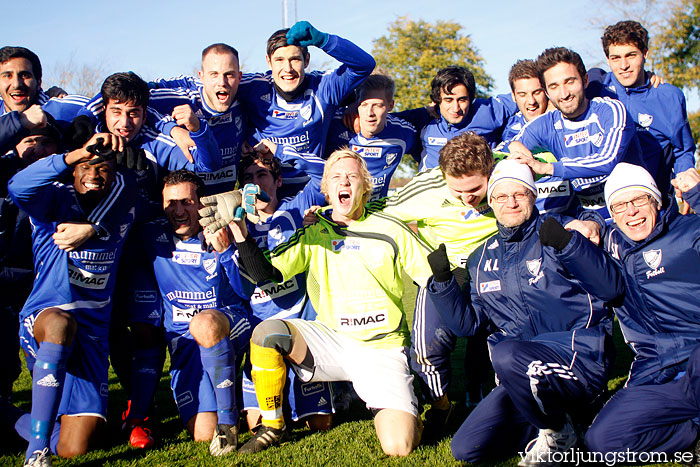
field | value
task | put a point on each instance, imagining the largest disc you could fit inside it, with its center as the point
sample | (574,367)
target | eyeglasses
(502,199)
(638,202)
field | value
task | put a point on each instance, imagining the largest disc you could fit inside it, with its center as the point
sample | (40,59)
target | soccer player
(289,106)
(213,98)
(16,266)
(353,257)
(204,314)
(657,249)
(553,194)
(23,98)
(383,138)
(65,321)
(453,91)
(449,205)
(587,137)
(529,95)
(659,113)
(551,333)
(274,222)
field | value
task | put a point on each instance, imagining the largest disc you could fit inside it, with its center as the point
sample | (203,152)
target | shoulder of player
(397,122)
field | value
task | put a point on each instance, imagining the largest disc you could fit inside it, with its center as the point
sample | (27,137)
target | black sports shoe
(265,437)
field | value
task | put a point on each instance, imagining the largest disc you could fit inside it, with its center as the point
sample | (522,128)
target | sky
(163,39)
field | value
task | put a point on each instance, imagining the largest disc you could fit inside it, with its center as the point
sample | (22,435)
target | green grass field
(350,442)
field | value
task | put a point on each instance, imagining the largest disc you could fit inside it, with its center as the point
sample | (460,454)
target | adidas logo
(445,203)
(49,381)
(345,135)
(154,314)
(321,402)
(147,371)
(494,245)
(163,238)
(224,384)
(265,98)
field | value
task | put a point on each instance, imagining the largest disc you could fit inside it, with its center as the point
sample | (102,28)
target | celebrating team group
(245,221)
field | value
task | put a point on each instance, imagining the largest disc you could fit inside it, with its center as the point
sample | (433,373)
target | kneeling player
(360,333)
(205,318)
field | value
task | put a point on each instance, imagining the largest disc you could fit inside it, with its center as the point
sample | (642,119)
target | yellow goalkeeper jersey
(354,273)
(441,217)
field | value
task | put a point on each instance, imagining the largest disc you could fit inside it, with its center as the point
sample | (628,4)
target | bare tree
(84,79)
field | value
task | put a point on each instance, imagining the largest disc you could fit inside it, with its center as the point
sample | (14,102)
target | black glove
(102,151)
(553,234)
(78,132)
(132,158)
(440,264)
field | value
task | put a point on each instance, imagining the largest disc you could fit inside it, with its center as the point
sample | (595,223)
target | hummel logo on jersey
(224,384)
(265,98)
(162,238)
(645,120)
(49,381)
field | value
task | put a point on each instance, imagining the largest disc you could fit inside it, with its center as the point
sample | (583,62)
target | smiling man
(383,139)
(659,114)
(24,105)
(360,333)
(65,321)
(550,333)
(287,105)
(588,138)
(453,91)
(529,95)
(203,311)
(659,314)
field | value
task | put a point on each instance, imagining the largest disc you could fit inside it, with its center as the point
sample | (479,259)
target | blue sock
(145,374)
(219,361)
(47,387)
(23,428)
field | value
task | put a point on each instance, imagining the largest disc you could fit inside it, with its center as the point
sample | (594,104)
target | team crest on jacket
(209,265)
(533,267)
(652,258)
(306,112)
(645,120)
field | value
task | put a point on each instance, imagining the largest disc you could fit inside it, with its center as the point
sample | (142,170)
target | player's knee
(319,422)
(597,439)
(209,327)
(397,446)
(76,447)
(274,334)
(503,357)
(57,327)
(462,452)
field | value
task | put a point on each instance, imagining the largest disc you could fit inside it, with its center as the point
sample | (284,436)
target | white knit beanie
(509,170)
(627,177)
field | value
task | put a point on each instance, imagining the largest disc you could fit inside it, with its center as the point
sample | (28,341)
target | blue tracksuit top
(85,277)
(303,123)
(382,153)
(528,291)
(660,314)
(485,117)
(661,121)
(228,127)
